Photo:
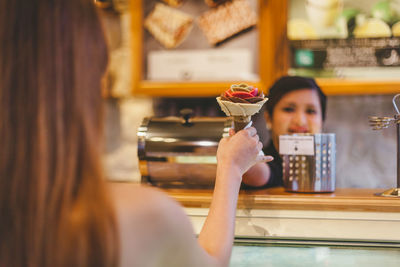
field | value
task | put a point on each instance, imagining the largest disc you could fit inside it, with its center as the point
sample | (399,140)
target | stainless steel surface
(312,174)
(397,117)
(394,103)
(180,152)
(379,123)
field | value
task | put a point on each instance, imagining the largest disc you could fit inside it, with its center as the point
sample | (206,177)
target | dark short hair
(286,84)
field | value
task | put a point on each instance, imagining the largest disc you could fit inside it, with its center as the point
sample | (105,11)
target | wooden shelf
(212,89)
(343,199)
(185,89)
(358,87)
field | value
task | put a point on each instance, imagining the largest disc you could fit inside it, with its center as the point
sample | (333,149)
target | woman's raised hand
(240,150)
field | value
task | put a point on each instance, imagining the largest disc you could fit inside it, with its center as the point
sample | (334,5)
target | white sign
(201,65)
(296,145)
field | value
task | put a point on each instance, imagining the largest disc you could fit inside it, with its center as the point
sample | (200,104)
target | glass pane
(200,41)
(306,255)
(345,38)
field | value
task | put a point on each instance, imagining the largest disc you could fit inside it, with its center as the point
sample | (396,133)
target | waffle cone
(240,109)
(241,112)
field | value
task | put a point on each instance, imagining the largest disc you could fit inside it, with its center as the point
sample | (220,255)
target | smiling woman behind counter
(295,105)
(55,207)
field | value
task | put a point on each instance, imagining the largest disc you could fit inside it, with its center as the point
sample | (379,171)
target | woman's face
(298,111)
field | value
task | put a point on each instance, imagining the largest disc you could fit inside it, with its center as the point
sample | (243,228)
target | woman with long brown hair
(55,207)
(53,200)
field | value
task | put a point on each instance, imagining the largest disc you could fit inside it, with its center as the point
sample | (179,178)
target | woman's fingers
(251,135)
(264,158)
(259,145)
(242,149)
(251,131)
(248,136)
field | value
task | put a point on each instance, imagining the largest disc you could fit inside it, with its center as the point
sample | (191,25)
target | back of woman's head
(53,202)
(287,84)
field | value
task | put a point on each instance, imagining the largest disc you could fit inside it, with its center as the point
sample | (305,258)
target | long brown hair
(54,206)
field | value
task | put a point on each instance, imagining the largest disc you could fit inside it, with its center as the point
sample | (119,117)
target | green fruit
(346,22)
(384,11)
(349,13)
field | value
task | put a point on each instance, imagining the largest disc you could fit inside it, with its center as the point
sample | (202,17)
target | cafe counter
(274,215)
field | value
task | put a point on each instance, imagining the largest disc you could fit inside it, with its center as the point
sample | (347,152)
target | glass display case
(273,227)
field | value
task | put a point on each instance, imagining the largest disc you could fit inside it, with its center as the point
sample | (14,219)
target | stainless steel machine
(180,151)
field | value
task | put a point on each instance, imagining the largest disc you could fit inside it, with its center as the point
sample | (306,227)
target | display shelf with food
(348,40)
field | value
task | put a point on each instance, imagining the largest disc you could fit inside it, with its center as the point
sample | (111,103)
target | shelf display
(345,39)
(199,43)
(269,48)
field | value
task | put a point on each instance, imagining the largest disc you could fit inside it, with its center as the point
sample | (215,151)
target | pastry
(168,25)
(226,20)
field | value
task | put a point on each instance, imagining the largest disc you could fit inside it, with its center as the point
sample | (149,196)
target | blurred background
(365,158)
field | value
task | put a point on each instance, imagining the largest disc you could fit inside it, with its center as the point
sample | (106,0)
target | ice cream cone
(241,112)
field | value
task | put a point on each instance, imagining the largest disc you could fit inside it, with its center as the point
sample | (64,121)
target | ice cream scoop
(241,101)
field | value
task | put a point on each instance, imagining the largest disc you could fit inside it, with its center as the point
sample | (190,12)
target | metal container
(180,151)
(314,173)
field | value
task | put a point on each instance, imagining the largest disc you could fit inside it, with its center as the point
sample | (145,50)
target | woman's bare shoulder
(146,209)
(137,198)
(154,226)
(131,191)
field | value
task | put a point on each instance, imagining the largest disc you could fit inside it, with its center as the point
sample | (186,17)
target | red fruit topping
(242,95)
(228,93)
(254,92)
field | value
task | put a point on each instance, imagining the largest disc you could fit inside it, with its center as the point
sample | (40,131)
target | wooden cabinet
(273,61)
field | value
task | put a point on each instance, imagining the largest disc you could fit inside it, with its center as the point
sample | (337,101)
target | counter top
(343,199)
(347,215)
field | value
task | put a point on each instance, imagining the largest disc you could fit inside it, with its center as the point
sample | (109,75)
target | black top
(275,166)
